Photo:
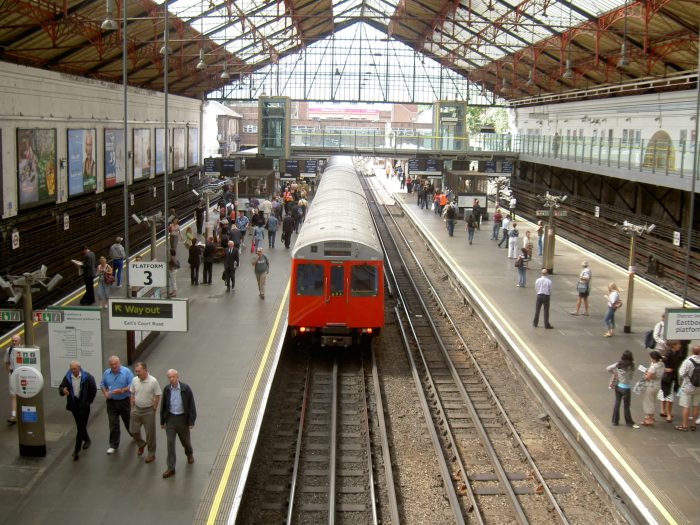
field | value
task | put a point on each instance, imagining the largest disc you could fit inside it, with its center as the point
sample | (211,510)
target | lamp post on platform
(633,231)
(552,202)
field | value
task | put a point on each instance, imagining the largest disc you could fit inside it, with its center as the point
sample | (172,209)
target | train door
(336,295)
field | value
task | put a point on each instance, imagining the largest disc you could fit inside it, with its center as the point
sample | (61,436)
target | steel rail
(368,443)
(297,451)
(333,445)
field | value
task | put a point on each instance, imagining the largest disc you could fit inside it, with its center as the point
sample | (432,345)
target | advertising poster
(79,338)
(114,157)
(142,153)
(82,168)
(160,151)
(36,166)
(193,146)
(178,149)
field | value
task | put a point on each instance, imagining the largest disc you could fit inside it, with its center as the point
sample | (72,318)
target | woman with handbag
(652,382)
(520,265)
(621,381)
(105,279)
(614,302)
(583,287)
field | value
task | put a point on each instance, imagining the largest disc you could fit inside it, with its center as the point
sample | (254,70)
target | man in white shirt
(145,397)
(658,332)
(543,289)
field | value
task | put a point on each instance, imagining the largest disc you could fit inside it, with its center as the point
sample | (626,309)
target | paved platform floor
(219,358)
(661,465)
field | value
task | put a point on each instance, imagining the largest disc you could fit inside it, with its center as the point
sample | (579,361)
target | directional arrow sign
(47,316)
(11,316)
(158,316)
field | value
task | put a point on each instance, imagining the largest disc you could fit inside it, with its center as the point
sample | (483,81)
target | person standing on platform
(117,254)
(583,287)
(476,212)
(614,302)
(145,397)
(622,372)
(174,232)
(261,264)
(10,360)
(658,332)
(177,416)
(513,202)
(287,229)
(199,216)
(79,388)
(88,266)
(505,229)
(105,279)
(272,225)
(513,241)
(672,359)
(497,221)
(208,260)
(543,289)
(173,267)
(540,238)
(520,265)
(471,226)
(690,395)
(193,259)
(652,381)
(115,385)
(450,215)
(231,262)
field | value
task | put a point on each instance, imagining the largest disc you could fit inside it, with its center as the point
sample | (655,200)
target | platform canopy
(411,51)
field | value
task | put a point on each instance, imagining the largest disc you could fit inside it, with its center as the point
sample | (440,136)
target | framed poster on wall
(192,146)
(36,167)
(160,151)
(142,153)
(178,149)
(114,157)
(82,165)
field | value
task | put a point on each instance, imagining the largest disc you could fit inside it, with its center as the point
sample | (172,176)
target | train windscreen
(363,280)
(309,279)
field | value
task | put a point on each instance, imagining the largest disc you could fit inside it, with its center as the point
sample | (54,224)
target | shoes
(549,327)
(150,459)
(12,420)
(633,425)
(607,334)
(87,444)
(111,450)
(586,314)
(168,473)
(262,296)
(615,424)
(681,428)
(190,459)
(76,456)
(534,324)
(573,313)
(140,450)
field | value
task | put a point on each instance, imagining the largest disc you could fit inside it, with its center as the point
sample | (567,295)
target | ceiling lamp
(529,79)
(224,74)
(109,24)
(622,62)
(166,49)
(504,85)
(201,65)
(568,72)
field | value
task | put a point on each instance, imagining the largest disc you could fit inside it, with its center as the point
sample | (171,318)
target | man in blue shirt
(177,417)
(115,385)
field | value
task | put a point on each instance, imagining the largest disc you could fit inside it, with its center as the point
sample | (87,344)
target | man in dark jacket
(231,262)
(177,417)
(80,390)
(88,268)
(287,229)
(208,260)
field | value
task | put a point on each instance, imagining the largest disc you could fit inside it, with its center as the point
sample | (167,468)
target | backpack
(695,375)
(649,341)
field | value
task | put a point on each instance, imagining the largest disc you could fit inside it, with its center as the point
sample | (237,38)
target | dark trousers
(622,394)
(206,274)
(89,297)
(230,278)
(271,238)
(117,408)
(200,224)
(542,300)
(81,416)
(504,239)
(177,426)
(287,239)
(194,274)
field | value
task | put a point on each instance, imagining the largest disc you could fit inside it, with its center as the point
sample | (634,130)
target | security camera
(54,282)
(136,218)
(4,283)
(16,297)
(196,193)
(650,228)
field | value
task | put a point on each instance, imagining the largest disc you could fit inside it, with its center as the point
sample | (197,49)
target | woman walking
(105,278)
(174,232)
(652,379)
(614,302)
(622,372)
(471,226)
(520,265)
(173,265)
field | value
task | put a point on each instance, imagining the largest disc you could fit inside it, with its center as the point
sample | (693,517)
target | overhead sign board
(148,273)
(47,316)
(212,166)
(11,316)
(157,316)
(557,213)
(682,324)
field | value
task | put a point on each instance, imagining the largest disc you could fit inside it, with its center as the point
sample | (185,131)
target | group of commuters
(107,275)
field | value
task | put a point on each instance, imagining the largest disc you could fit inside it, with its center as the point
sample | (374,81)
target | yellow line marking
(494,312)
(223,482)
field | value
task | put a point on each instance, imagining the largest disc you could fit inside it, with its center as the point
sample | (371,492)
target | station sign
(11,316)
(291,167)
(156,316)
(557,213)
(682,324)
(212,166)
(47,316)
(148,273)
(310,166)
(27,382)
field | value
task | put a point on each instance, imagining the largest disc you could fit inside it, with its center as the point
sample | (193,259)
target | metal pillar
(632,269)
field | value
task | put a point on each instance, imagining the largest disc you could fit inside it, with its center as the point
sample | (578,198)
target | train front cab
(336,303)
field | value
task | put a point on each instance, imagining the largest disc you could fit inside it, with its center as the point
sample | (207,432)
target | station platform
(658,465)
(228,358)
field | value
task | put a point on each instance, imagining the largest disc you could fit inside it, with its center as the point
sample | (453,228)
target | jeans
(521,279)
(504,239)
(609,318)
(622,394)
(494,231)
(540,238)
(450,227)
(470,234)
(271,238)
(117,265)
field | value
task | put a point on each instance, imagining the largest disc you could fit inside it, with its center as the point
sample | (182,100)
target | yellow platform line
(233,452)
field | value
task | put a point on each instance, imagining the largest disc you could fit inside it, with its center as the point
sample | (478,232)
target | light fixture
(109,24)
(166,49)
(201,65)
(529,79)
(224,74)
(568,73)
(622,62)
(337,72)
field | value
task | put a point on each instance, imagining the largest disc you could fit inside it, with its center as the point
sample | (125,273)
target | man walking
(115,384)
(505,228)
(88,267)
(145,396)
(261,264)
(231,261)
(497,219)
(543,289)
(287,229)
(117,254)
(10,361)
(177,417)
(79,388)
(208,260)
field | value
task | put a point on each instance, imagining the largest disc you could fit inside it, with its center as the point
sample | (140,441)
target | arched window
(660,153)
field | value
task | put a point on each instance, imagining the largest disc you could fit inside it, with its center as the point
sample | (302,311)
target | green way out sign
(158,316)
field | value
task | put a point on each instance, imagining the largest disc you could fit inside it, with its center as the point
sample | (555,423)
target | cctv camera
(54,282)
(4,283)
(196,193)
(136,218)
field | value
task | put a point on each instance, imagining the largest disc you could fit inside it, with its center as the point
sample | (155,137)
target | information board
(291,167)
(310,166)
(212,166)
(77,338)
(682,324)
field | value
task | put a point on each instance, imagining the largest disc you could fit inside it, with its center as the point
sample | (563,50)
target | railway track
(331,461)
(488,474)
